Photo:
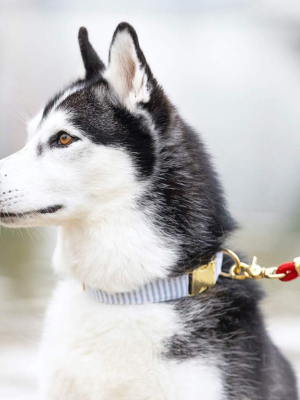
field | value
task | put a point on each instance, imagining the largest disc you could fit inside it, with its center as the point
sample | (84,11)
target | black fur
(51,103)
(225,323)
(106,124)
(49,106)
(93,64)
(190,212)
(47,210)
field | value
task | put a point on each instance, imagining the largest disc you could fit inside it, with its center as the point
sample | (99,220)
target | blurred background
(233,69)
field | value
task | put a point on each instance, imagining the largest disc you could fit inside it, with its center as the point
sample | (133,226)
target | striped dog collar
(167,289)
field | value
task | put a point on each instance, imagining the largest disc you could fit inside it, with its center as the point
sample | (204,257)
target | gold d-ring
(237,261)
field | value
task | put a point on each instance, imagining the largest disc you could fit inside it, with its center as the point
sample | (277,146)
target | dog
(136,200)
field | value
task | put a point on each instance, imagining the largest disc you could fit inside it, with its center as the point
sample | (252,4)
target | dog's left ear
(128,73)
(92,63)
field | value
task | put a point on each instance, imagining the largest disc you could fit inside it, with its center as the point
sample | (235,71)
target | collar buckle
(202,278)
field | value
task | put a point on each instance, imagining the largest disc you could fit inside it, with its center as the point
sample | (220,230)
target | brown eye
(64,139)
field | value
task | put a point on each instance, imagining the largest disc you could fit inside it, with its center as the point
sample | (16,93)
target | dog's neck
(117,252)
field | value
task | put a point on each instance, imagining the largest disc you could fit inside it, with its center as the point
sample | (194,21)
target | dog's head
(93,146)
(112,142)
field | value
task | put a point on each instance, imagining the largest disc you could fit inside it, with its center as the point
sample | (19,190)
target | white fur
(121,250)
(94,351)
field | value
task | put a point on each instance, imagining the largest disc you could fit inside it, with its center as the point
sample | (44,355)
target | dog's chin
(42,216)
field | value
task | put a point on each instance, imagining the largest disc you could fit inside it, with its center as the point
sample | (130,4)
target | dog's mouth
(47,210)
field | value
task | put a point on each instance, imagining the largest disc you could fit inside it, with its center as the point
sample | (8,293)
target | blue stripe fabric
(156,291)
(153,292)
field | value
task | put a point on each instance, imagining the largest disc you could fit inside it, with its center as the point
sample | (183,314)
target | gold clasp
(255,271)
(241,270)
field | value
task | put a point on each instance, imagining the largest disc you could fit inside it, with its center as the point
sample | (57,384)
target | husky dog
(132,189)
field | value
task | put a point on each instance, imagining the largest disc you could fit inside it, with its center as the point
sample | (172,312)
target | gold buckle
(202,278)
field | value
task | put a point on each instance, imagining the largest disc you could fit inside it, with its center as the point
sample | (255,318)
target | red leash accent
(289,269)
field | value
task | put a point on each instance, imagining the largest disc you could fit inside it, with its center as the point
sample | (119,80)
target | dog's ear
(128,73)
(92,63)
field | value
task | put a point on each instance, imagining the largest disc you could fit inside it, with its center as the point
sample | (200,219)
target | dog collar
(167,289)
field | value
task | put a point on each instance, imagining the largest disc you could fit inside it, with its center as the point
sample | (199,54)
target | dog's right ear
(92,63)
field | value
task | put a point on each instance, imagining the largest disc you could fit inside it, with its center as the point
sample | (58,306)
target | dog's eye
(64,139)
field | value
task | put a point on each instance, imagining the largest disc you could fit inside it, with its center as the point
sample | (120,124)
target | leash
(285,272)
(196,281)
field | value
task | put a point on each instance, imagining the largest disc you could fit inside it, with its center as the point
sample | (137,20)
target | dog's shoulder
(226,323)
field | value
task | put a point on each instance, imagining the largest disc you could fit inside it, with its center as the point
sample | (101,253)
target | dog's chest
(97,351)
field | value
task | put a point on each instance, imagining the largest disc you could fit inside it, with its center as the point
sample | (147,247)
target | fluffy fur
(136,198)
